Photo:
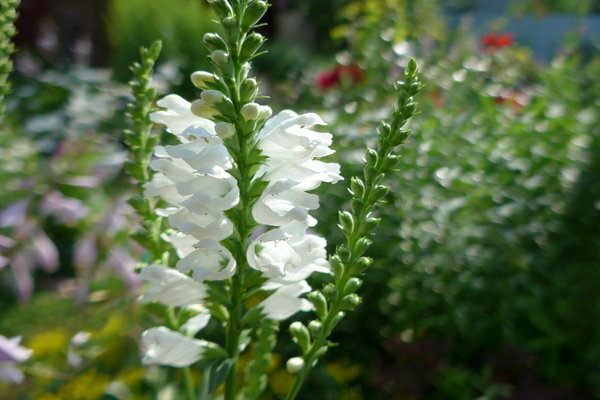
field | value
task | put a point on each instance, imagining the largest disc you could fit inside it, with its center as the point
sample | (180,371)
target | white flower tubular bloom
(284,258)
(283,202)
(208,262)
(183,243)
(170,287)
(286,300)
(162,346)
(212,225)
(309,174)
(198,322)
(178,115)
(288,137)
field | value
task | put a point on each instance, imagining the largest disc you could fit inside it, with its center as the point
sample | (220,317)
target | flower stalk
(348,262)
(8,16)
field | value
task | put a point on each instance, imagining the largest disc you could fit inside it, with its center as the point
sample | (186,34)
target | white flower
(286,300)
(284,202)
(203,110)
(211,97)
(183,243)
(205,155)
(170,287)
(198,322)
(285,258)
(163,346)
(309,174)
(178,115)
(288,137)
(219,57)
(212,225)
(224,130)
(11,354)
(209,261)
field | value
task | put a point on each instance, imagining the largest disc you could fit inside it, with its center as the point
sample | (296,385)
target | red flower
(333,77)
(497,40)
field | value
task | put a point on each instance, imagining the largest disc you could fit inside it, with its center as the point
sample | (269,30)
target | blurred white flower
(170,287)
(163,346)
(11,354)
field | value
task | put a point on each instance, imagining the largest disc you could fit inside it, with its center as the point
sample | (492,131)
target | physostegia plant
(226,216)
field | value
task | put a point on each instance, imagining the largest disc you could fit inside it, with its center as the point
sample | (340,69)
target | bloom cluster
(287,255)
(192,178)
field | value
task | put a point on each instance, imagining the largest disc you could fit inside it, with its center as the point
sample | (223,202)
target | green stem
(190,389)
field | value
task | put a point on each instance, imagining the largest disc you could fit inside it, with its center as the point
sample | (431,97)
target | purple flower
(11,353)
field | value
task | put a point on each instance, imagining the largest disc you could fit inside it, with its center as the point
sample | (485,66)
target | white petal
(285,301)
(170,287)
(210,261)
(198,322)
(163,346)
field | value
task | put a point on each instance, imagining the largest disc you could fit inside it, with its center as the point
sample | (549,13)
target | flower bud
(338,317)
(346,221)
(265,112)
(380,192)
(219,57)
(363,263)
(294,365)
(337,265)
(300,334)
(357,186)
(221,7)
(250,111)
(211,97)
(248,89)
(315,327)
(203,110)
(224,130)
(201,78)
(352,285)
(231,27)
(371,156)
(350,302)
(254,13)
(320,303)
(362,245)
(251,44)
(213,41)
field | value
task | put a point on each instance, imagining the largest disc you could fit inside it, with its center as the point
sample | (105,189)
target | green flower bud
(248,89)
(319,302)
(357,186)
(362,264)
(254,13)
(203,110)
(214,42)
(371,157)
(352,285)
(350,302)
(337,265)
(315,327)
(221,7)
(362,245)
(300,334)
(251,44)
(346,221)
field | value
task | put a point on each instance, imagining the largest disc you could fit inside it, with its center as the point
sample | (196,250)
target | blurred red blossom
(497,40)
(333,77)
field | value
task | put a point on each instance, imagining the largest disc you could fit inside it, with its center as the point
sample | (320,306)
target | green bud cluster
(141,144)
(8,15)
(358,225)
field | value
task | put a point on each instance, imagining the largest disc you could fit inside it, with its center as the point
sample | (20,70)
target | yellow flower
(49,343)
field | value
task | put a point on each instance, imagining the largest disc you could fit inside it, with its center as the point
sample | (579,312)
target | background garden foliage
(485,282)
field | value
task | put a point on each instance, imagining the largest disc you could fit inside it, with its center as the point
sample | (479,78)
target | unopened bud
(250,111)
(254,13)
(203,110)
(211,97)
(300,333)
(213,41)
(251,44)
(265,112)
(294,365)
(315,327)
(248,89)
(224,130)
(201,78)
(219,57)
